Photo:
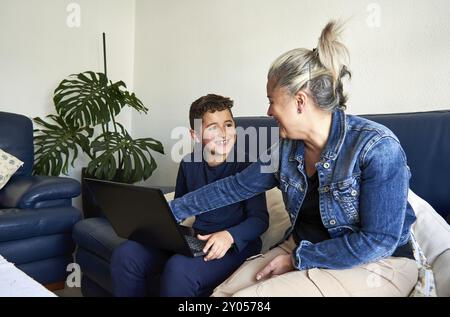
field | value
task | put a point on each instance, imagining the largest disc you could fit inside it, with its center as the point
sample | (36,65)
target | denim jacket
(364,181)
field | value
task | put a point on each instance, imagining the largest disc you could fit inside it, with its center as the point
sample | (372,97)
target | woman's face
(283,108)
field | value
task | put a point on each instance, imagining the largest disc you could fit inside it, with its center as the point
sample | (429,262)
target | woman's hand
(218,244)
(280,265)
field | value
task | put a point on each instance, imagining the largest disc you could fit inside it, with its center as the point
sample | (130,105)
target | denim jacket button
(354,193)
(332,222)
(326,165)
(326,189)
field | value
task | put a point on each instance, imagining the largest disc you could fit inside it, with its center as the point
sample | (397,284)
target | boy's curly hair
(209,103)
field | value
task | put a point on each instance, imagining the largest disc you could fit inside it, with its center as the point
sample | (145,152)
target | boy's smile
(218,135)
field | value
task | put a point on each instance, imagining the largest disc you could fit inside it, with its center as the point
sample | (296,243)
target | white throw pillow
(9,164)
(432,233)
(425,286)
(431,230)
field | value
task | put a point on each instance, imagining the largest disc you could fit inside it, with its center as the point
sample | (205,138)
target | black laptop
(142,214)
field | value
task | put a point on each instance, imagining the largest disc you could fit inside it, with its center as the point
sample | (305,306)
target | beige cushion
(170,196)
(441,269)
(431,230)
(9,164)
(278,218)
(433,235)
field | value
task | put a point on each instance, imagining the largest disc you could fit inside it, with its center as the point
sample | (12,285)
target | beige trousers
(388,277)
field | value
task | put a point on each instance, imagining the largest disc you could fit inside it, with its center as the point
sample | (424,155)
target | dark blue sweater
(245,220)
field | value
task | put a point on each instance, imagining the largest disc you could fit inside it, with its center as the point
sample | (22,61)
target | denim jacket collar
(334,143)
(337,135)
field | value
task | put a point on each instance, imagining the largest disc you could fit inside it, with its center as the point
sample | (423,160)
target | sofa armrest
(31,191)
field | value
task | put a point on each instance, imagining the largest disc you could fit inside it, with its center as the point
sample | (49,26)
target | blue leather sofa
(424,136)
(36,213)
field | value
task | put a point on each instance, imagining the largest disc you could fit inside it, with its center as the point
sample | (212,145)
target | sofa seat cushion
(37,248)
(18,224)
(97,236)
(48,271)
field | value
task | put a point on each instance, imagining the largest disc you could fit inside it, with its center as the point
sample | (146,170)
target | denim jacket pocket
(289,190)
(346,194)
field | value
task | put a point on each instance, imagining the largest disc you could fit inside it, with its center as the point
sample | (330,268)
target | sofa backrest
(425,137)
(16,138)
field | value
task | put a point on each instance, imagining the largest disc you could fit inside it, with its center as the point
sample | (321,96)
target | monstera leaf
(90,98)
(83,102)
(137,162)
(56,143)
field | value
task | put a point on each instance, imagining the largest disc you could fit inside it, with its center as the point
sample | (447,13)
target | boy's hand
(218,244)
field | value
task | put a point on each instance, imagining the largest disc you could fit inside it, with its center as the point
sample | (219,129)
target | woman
(344,181)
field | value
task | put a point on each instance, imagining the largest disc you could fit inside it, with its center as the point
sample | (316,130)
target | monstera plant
(87,105)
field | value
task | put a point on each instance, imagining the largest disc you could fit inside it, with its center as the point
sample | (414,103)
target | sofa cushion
(433,235)
(441,269)
(425,286)
(16,224)
(97,236)
(48,271)
(278,219)
(431,230)
(9,164)
(37,248)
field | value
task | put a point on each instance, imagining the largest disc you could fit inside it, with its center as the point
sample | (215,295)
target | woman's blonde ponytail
(333,55)
(320,71)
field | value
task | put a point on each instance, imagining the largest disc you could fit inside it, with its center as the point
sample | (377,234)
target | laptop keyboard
(195,244)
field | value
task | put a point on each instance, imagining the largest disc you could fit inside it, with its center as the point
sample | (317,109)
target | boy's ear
(194,136)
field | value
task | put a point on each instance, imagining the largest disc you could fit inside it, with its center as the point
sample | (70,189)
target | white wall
(38,50)
(185,49)
(171,52)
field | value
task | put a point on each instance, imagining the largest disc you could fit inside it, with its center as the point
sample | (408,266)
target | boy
(232,233)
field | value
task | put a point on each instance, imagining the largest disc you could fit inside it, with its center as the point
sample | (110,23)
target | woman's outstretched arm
(255,179)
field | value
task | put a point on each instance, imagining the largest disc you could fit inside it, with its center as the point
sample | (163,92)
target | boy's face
(219,132)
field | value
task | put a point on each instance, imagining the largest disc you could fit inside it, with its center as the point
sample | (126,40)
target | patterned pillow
(8,166)
(425,286)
